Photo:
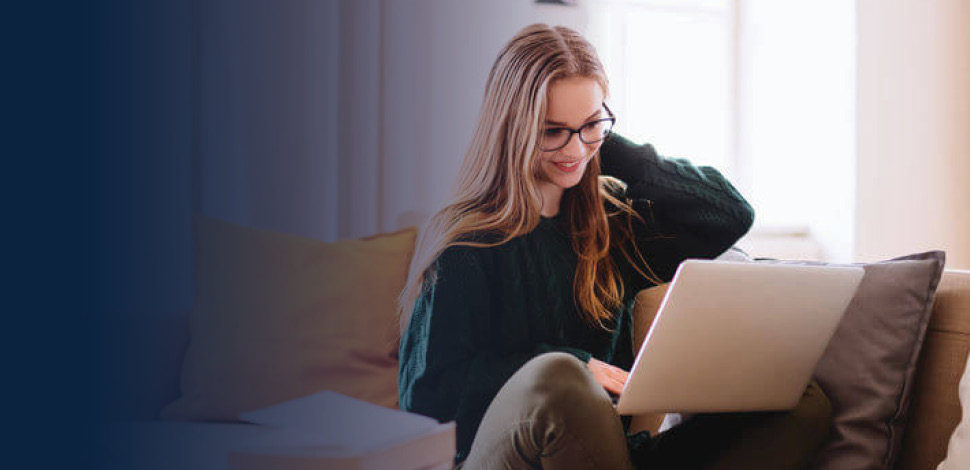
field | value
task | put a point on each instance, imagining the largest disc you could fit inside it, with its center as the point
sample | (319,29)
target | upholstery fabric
(935,408)
(958,456)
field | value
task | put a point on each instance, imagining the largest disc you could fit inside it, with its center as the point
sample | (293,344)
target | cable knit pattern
(702,193)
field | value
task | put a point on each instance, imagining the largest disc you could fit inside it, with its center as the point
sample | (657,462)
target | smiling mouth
(567,166)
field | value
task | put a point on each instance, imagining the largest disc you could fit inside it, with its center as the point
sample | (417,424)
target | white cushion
(958,455)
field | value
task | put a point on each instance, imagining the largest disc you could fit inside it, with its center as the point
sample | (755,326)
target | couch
(156,349)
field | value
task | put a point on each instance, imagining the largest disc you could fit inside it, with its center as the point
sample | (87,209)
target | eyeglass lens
(591,132)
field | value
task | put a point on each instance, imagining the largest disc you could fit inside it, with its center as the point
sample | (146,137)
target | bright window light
(671,69)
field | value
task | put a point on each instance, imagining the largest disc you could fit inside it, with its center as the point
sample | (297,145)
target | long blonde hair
(497,189)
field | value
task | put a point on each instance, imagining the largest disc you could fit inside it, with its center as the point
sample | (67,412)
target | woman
(517,310)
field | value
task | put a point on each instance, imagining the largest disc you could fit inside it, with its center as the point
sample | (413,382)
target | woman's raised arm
(690,211)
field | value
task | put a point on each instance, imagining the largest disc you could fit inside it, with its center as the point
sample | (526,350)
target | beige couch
(154,380)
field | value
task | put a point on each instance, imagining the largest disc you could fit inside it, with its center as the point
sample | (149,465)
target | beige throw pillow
(279,316)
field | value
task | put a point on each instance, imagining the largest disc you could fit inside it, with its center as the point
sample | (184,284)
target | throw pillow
(958,454)
(867,371)
(279,316)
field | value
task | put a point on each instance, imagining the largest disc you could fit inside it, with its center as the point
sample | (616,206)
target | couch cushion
(279,316)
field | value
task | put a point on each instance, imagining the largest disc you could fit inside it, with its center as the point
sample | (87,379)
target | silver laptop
(737,337)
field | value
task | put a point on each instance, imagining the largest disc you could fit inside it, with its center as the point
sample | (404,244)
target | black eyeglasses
(555,138)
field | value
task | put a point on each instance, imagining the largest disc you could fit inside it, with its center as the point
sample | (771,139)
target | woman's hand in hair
(612,378)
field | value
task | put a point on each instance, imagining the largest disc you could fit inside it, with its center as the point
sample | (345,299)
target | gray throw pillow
(867,371)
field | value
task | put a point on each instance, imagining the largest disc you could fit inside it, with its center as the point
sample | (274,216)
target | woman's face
(573,102)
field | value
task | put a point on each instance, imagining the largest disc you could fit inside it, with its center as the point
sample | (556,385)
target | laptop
(737,336)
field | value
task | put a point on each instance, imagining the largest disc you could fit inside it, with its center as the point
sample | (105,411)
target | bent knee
(558,362)
(555,368)
(560,379)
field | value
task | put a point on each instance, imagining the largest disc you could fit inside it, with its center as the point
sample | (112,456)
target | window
(764,90)
(671,66)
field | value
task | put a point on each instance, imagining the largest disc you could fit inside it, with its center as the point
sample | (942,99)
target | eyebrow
(591,116)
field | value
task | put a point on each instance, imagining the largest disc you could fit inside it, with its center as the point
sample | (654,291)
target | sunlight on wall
(914,118)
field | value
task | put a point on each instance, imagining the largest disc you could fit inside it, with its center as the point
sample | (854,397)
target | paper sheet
(341,423)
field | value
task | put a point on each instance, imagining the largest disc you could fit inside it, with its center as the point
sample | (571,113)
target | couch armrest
(935,408)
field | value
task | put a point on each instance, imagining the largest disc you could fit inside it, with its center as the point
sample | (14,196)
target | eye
(554,132)
(592,131)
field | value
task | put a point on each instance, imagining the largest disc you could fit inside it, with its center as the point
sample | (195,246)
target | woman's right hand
(612,378)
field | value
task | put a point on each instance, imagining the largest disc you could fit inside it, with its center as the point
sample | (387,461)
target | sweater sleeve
(689,211)
(448,370)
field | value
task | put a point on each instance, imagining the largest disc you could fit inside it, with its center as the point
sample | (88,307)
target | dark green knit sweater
(493,309)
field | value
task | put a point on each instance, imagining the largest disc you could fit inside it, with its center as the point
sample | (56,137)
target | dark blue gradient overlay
(107,130)
(135,181)
(99,97)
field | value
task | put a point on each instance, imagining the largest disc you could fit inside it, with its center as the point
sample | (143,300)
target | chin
(571,183)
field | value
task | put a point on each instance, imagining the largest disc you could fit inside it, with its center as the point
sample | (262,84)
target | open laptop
(737,337)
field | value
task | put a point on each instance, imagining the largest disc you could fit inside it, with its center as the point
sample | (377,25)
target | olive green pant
(552,414)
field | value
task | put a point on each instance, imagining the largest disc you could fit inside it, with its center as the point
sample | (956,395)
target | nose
(575,147)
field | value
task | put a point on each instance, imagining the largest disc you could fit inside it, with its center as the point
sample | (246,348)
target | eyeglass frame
(611,118)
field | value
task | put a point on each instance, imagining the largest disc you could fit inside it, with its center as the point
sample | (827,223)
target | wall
(344,118)
(913,129)
(437,57)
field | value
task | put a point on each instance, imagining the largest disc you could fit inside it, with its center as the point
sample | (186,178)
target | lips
(568,166)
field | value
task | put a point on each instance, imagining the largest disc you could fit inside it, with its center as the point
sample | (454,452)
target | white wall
(913,129)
